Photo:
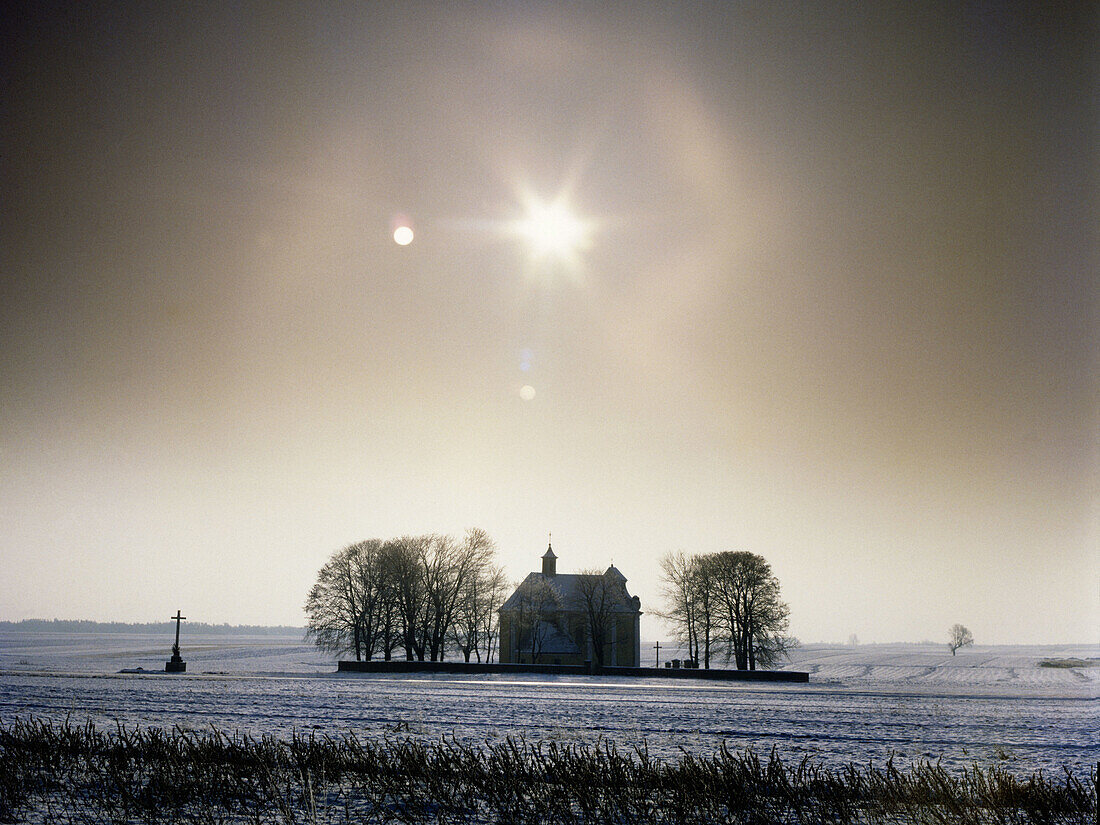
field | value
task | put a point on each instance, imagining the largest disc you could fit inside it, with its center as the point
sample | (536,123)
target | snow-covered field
(986,705)
(1001,670)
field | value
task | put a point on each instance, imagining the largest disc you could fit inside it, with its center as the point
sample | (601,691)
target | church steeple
(549,560)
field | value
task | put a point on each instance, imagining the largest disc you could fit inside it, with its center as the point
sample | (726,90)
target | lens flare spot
(527,392)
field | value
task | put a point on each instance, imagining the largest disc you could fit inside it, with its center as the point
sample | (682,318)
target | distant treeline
(86,626)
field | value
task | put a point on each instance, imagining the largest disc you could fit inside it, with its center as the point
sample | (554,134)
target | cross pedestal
(176,663)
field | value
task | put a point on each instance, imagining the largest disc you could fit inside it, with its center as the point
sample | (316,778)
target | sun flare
(553,231)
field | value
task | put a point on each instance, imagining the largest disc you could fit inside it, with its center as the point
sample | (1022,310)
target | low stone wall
(404,666)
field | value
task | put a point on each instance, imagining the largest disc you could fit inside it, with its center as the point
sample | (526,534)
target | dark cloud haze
(839,304)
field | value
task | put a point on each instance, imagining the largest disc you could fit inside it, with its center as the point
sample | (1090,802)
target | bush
(151,775)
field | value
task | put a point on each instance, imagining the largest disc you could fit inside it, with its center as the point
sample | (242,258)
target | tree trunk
(750,642)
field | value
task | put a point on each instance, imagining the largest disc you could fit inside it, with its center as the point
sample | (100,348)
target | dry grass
(76,773)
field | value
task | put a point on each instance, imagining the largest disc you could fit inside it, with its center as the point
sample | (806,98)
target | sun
(553,231)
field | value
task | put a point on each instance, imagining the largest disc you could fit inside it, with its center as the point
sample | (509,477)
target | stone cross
(176,646)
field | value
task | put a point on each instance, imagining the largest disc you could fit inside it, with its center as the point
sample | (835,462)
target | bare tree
(680,607)
(690,604)
(375,606)
(959,636)
(767,618)
(474,626)
(537,613)
(495,591)
(446,567)
(599,594)
(375,597)
(754,619)
(386,618)
(334,607)
(705,592)
(410,604)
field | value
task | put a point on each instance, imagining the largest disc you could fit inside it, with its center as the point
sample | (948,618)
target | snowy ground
(990,670)
(990,705)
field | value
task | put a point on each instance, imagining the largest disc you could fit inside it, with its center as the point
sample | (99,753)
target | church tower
(549,562)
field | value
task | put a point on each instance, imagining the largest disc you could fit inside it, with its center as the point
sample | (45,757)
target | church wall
(624,653)
(626,642)
(505,642)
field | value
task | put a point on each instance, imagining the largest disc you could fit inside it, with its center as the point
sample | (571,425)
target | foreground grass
(59,772)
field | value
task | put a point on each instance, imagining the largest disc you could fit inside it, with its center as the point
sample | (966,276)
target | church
(571,619)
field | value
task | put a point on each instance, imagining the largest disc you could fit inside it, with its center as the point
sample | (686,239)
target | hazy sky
(838,304)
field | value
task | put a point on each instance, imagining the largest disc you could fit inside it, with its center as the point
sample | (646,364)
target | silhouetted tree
(474,628)
(689,604)
(410,602)
(386,624)
(375,608)
(753,616)
(678,607)
(334,607)
(446,566)
(537,615)
(375,597)
(726,601)
(599,594)
(959,636)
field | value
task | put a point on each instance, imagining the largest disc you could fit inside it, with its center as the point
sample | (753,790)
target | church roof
(566,587)
(613,571)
